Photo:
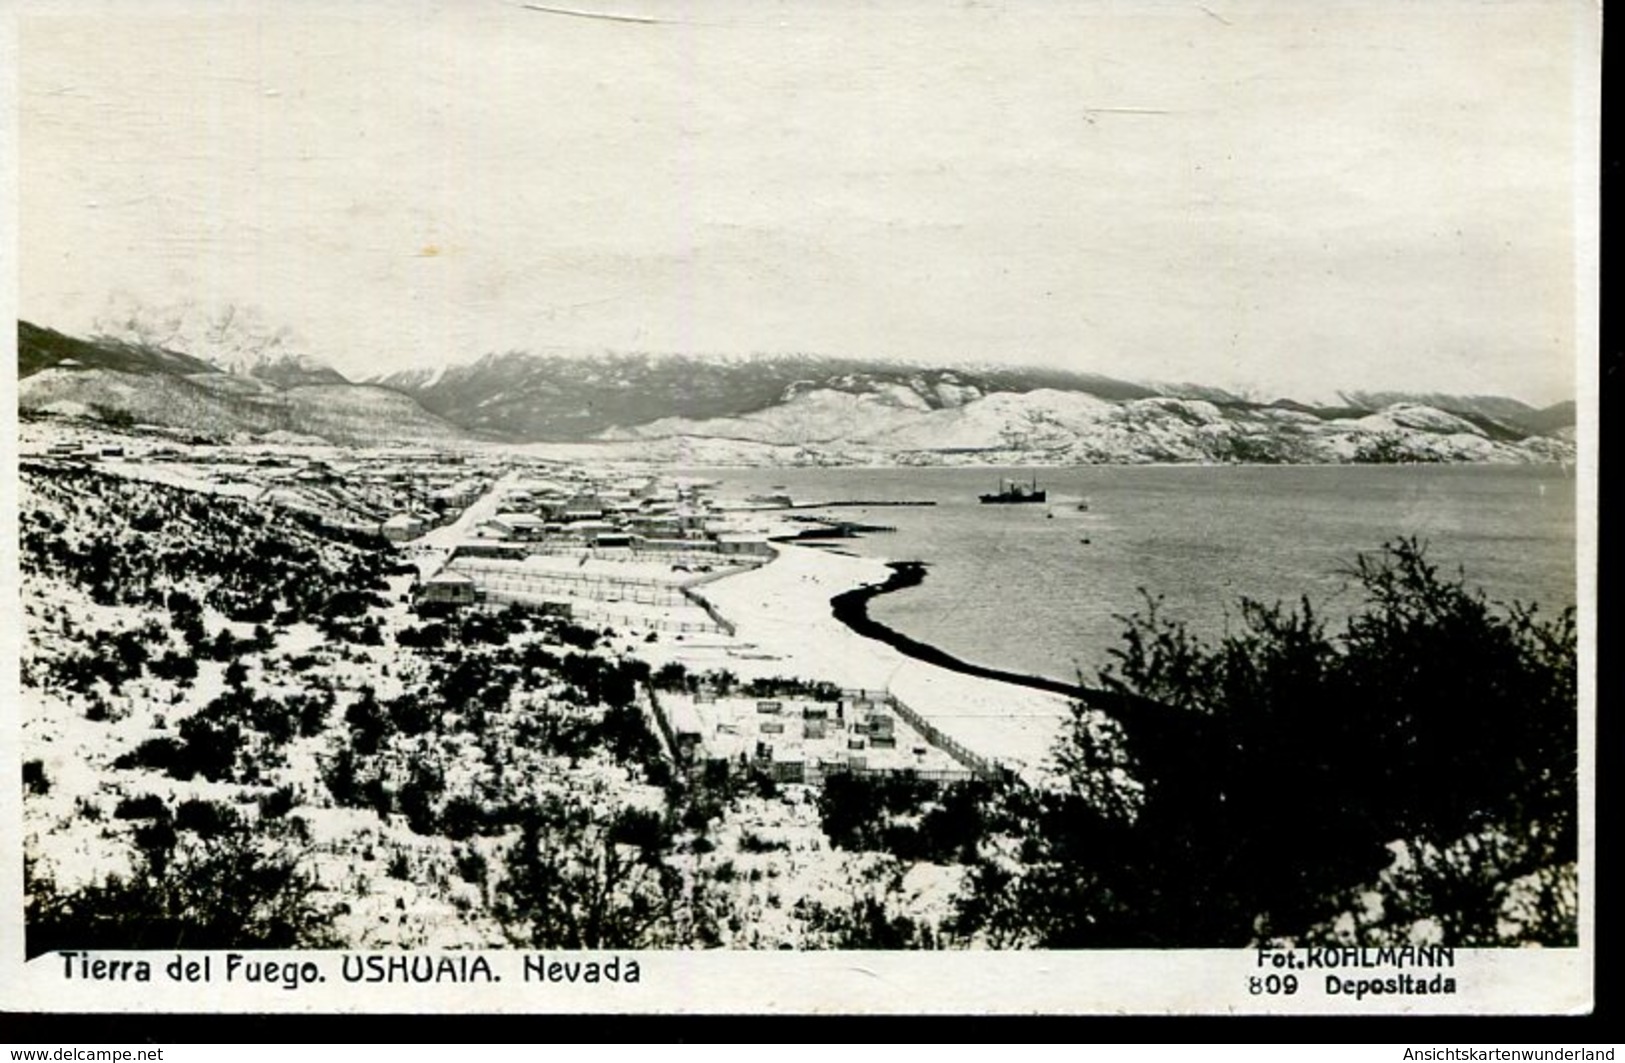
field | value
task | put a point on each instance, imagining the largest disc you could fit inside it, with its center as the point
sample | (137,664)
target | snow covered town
(384,659)
(495,695)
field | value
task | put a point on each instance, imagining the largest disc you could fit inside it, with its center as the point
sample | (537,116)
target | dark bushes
(237,888)
(1279,766)
(34,778)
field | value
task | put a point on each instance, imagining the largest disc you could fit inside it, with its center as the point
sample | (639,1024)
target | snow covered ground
(783,615)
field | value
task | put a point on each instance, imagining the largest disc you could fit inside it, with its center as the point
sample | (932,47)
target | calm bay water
(1017,587)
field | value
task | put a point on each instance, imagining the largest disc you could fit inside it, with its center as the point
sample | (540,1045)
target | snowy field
(782,613)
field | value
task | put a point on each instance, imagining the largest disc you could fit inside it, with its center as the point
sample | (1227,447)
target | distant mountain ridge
(565,398)
(1048,426)
(105,377)
(43,348)
(795,408)
(229,338)
(550,397)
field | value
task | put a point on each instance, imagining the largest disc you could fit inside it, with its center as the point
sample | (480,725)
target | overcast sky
(1286,196)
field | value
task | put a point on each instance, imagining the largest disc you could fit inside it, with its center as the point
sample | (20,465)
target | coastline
(786,624)
(852,609)
(1143,717)
(808,613)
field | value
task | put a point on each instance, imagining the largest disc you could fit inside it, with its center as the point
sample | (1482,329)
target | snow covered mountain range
(118,380)
(803,409)
(1047,426)
(232,339)
(228,374)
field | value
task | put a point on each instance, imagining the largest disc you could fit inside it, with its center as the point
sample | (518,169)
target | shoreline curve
(852,609)
(1142,715)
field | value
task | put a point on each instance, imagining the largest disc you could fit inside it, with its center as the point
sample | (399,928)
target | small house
(587,531)
(521,526)
(402,526)
(316,472)
(449,588)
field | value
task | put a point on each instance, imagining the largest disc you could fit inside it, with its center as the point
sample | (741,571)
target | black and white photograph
(552,505)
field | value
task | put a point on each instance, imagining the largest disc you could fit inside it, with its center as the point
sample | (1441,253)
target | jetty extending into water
(831,529)
(856,503)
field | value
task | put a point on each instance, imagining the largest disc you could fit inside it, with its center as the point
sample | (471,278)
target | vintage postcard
(998,506)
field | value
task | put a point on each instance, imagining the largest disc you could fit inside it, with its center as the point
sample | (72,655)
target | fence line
(661,723)
(974,762)
(501,583)
(738,564)
(588,610)
(701,553)
(723,624)
(813,773)
(977,764)
(644,591)
(692,593)
(928,775)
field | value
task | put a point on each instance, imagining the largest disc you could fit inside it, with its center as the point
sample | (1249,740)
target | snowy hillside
(567,398)
(157,385)
(224,406)
(1062,427)
(238,732)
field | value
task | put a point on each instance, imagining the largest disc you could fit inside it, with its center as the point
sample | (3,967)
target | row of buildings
(395,499)
(647,516)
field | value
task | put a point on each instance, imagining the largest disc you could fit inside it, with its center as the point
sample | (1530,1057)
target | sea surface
(1040,588)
